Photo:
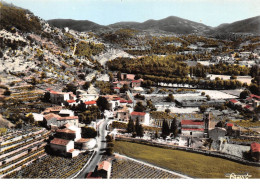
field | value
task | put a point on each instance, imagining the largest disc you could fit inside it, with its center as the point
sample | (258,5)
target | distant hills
(78,25)
(170,24)
(251,25)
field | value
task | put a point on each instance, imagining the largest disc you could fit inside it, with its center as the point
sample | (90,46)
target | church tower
(206,119)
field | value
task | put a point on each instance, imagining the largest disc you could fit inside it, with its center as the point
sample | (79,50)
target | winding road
(101,145)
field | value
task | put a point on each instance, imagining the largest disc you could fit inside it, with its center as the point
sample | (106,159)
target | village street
(101,144)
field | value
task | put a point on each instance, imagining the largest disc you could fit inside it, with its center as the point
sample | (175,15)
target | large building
(196,128)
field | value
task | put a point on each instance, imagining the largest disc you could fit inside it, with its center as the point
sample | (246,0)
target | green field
(191,164)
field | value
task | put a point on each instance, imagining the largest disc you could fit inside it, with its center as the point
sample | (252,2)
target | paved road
(101,145)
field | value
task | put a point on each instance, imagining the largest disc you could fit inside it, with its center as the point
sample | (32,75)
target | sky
(104,12)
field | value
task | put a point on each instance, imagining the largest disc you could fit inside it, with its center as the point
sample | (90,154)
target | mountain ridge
(172,24)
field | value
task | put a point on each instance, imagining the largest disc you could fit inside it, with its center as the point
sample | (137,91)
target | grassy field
(191,164)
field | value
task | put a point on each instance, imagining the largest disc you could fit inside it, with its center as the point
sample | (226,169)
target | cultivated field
(52,167)
(191,164)
(129,169)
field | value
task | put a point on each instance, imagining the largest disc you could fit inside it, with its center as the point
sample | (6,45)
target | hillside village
(67,97)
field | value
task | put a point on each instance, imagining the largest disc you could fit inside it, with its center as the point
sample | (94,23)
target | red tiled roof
(138,113)
(58,141)
(71,101)
(130,76)
(191,122)
(50,116)
(233,101)
(83,140)
(129,101)
(71,150)
(193,129)
(66,130)
(255,96)
(255,147)
(116,87)
(116,98)
(69,117)
(90,102)
(104,165)
(248,106)
(136,81)
(123,101)
(230,124)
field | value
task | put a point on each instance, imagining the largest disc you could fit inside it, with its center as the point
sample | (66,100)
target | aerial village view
(168,98)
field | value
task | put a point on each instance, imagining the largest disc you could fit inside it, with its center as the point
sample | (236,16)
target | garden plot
(217,95)
(177,110)
(126,168)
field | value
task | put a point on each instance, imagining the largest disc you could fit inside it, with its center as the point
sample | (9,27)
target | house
(136,83)
(66,113)
(60,97)
(104,169)
(61,146)
(85,144)
(234,102)
(54,120)
(123,114)
(129,77)
(69,133)
(143,117)
(90,103)
(72,102)
(255,151)
(192,128)
(54,110)
(85,96)
(196,128)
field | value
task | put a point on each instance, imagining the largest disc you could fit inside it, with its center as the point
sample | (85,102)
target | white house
(60,97)
(58,121)
(144,118)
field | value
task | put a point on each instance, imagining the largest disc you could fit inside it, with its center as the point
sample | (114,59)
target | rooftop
(138,113)
(191,122)
(255,147)
(58,141)
(104,165)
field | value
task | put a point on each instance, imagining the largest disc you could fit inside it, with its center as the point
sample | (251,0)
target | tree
(138,76)
(208,97)
(47,96)
(86,85)
(139,128)
(139,107)
(203,108)
(174,127)
(202,93)
(130,126)
(88,132)
(70,88)
(156,134)
(165,129)
(109,151)
(170,98)
(244,94)
(102,103)
(119,76)
(220,124)
(124,88)
(7,92)
(109,138)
